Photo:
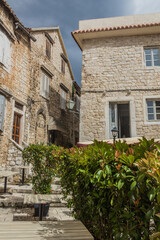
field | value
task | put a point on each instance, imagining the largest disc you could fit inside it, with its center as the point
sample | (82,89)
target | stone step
(10,201)
(56,189)
(22,217)
(58,205)
(54,214)
(17,200)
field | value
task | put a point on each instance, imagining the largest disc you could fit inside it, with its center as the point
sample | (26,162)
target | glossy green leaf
(133,185)
(131,159)
(158,198)
(108,170)
(120,184)
(149,214)
(151,194)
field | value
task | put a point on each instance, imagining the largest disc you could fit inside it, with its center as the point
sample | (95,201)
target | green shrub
(110,193)
(43,166)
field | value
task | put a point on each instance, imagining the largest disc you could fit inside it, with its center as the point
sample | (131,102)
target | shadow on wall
(54,124)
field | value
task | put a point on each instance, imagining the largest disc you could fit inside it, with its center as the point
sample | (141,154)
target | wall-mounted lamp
(70,104)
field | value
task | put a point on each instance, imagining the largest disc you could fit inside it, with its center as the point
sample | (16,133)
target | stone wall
(14,154)
(21,83)
(14,80)
(114,68)
(51,107)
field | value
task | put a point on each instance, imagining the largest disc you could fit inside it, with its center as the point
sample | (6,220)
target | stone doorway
(120,118)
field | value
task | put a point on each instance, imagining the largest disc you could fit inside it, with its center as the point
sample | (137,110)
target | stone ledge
(16,144)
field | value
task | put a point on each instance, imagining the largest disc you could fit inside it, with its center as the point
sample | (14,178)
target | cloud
(145,6)
(67,13)
(18,5)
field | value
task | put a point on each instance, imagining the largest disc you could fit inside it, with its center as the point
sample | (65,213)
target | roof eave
(75,37)
(70,69)
(40,29)
(19,25)
(81,35)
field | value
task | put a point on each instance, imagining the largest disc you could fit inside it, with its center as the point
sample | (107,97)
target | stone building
(36,81)
(120,76)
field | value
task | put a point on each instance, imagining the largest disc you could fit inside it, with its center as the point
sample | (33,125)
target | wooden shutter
(48,49)
(2,111)
(77,103)
(7,52)
(43,85)
(62,66)
(1,48)
(47,86)
(63,99)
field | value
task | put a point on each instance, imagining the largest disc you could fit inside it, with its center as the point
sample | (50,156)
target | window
(62,66)
(49,43)
(153,110)
(63,61)
(4,50)
(2,111)
(45,85)
(19,106)
(18,122)
(16,127)
(48,48)
(152,57)
(63,99)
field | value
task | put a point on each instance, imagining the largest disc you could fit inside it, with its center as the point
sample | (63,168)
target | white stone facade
(114,72)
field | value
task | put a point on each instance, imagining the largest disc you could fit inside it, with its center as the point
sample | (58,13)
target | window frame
(48,49)
(77,103)
(63,63)
(22,114)
(132,107)
(154,107)
(152,60)
(15,127)
(63,99)
(2,111)
(5,50)
(45,85)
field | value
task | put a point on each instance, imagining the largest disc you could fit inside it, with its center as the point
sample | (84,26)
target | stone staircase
(25,212)
(17,220)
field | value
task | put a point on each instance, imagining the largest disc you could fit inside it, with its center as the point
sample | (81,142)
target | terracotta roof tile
(116,28)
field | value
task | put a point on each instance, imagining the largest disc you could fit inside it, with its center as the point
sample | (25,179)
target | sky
(67,13)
